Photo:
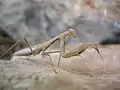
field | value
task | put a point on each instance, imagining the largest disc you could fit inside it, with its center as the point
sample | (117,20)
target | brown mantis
(75,52)
(44,46)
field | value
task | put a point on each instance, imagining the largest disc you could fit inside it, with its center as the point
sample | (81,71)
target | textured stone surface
(88,72)
(40,20)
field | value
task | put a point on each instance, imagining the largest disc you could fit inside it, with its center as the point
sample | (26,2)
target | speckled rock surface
(88,72)
(40,20)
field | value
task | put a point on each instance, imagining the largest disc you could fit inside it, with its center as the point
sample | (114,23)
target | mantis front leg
(77,51)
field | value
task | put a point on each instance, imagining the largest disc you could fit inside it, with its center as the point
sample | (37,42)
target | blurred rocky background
(95,21)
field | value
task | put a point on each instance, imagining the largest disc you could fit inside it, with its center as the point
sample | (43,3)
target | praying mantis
(41,48)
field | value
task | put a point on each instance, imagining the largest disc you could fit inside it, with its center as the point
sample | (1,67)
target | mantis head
(72,33)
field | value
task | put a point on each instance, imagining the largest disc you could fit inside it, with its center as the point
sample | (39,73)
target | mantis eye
(73,33)
(74,36)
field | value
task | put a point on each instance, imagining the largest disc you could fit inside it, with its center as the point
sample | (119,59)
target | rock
(40,20)
(6,42)
(88,72)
